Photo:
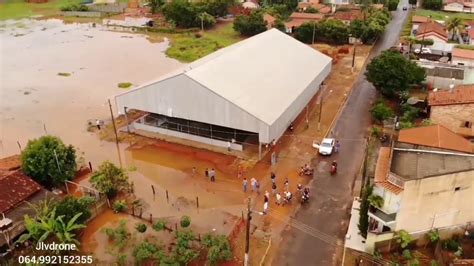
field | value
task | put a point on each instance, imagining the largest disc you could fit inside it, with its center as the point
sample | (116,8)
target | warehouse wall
(182,97)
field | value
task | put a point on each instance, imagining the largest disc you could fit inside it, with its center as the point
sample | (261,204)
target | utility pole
(126,118)
(320,110)
(247,234)
(113,122)
(353,55)
(314,30)
(57,162)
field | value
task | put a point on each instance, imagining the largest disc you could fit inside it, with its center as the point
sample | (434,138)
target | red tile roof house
(464,57)
(15,190)
(432,30)
(459,6)
(322,9)
(454,109)
(348,16)
(297,19)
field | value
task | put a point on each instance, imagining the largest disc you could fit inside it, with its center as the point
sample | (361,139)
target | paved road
(332,196)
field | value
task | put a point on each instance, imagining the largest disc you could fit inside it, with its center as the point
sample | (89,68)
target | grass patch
(465,46)
(186,47)
(124,85)
(64,74)
(406,31)
(17,9)
(441,15)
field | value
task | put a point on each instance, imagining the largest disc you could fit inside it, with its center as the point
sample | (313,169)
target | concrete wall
(454,7)
(109,8)
(391,202)
(282,123)
(442,83)
(452,116)
(182,97)
(440,201)
(464,61)
(88,14)
(373,238)
(163,131)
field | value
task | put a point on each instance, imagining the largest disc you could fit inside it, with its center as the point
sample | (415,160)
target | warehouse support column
(259,150)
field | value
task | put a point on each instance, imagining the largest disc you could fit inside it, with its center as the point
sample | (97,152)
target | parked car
(326,147)
(424,50)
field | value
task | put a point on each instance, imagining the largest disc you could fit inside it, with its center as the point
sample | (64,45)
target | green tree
(454,25)
(363,212)
(412,2)
(218,8)
(392,74)
(109,179)
(392,5)
(147,251)
(120,206)
(381,111)
(403,238)
(119,235)
(433,4)
(333,31)
(280,25)
(311,9)
(64,231)
(48,161)
(376,201)
(206,20)
(182,12)
(357,28)
(69,206)
(304,33)
(250,25)
(185,221)
(433,235)
(141,228)
(184,253)
(155,5)
(219,248)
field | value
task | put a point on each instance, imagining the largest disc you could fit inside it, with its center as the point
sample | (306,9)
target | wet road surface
(328,211)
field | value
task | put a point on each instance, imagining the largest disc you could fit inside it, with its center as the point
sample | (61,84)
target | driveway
(332,196)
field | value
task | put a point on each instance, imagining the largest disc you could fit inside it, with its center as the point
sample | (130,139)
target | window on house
(457,188)
(466,124)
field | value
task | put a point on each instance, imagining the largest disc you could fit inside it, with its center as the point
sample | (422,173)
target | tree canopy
(370,29)
(188,14)
(109,179)
(330,31)
(392,74)
(69,206)
(249,25)
(49,161)
(433,4)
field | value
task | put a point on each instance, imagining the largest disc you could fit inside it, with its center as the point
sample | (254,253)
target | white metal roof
(262,75)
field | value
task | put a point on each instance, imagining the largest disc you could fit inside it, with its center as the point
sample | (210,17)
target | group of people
(211,174)
(253,182)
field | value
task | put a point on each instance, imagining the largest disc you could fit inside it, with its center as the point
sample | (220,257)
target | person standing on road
(244,184)
(267,194)
(97,123)
(287,184)
(273,177)
(253,182)
(212,174)
(274,188)
(206,173)
(278,198)
(337,146)
(257,186)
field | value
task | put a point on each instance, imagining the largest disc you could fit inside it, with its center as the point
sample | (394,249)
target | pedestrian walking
(278,198)
(97,123)
(265,207)
(274,188)
(257,186)
(212,173)
(229,145)
(244,184)
(206,172)
(287,184)
(337,147)
(253,182)
(267,194)
(273,177)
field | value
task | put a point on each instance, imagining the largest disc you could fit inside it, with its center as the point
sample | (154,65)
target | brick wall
(452,116)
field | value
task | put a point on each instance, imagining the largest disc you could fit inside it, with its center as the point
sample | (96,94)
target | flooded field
(56,77)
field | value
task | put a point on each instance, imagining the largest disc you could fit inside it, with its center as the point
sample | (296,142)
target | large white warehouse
(247,93)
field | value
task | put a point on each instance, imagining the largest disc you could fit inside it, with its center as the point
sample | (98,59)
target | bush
(410,113)
(160,225)
(433,235)
(146,251)
(120,206)
(75,7)
(404,238)
(69,206)
(407,254)
(185,221)
(141,228)
(381,111)
(376,132)
(330,31)
(250,25)
(207,20)
(392,5)
(433,4)
(109,179)
(451,245)
(376,201)
(48,161)
(119,235)
(311,9)
(219,248)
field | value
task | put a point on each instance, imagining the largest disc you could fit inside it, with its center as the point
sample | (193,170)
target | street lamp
(354,41)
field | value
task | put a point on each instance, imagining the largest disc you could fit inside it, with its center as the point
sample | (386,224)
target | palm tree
(454,25)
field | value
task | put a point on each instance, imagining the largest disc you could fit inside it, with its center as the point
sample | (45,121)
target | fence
(109,8)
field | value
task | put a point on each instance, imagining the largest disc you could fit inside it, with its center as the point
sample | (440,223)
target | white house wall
(182,97)
(463,61)
(282,123)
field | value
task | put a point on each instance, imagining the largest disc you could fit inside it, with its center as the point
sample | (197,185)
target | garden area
(17,9)
(442,15)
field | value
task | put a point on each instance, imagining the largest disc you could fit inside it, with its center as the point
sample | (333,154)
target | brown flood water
(34,99)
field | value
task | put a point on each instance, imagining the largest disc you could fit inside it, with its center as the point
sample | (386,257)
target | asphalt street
(331,196)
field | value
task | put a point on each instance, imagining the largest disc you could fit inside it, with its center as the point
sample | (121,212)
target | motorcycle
(333,169)
(306,171)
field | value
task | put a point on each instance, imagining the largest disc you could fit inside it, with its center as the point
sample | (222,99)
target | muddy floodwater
(35,99)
